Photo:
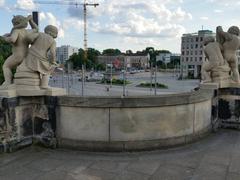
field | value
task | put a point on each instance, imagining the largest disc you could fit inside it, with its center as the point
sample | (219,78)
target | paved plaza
(216,157)
(74,86)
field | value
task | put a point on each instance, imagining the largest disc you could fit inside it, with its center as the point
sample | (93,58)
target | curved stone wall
(132,123)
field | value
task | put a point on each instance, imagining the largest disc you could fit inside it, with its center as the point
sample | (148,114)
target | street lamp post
(111,75)
(155,89)
(124,78)
(151,73)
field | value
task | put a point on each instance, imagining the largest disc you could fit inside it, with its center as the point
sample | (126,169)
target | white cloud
(2,2)
(218,11)
(27,5)
(226,2)
(204,18)
(73,23)
(42,16)
(140,18)
(144,42)
(52,20)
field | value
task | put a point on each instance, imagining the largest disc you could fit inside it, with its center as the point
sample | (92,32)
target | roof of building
(198,33)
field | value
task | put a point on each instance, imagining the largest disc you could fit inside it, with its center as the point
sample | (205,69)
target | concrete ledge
(137,101)
(122,146)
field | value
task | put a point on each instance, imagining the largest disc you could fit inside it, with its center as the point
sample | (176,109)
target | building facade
(192,53)
(164,57)
(133,60)
(64,52)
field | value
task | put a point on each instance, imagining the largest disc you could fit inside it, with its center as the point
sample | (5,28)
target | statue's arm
(53,53)
(33,25)
(12,38)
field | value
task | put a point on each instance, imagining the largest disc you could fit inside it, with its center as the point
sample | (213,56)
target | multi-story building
(109,59)
(64,52)
(131,60)
(192,53)
(238,55)
(137,60)
(164,57)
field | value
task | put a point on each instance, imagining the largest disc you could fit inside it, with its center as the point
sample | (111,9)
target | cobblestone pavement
(216,157)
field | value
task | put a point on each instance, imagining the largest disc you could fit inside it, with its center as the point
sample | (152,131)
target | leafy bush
(115,81)
(148,85)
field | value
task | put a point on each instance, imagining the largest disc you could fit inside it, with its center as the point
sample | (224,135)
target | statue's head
(208,39)
(234,30)
(19,22)
(51,30)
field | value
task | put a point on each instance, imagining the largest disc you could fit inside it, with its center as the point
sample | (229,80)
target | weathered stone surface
(138,101)
(83,123)
(151,123)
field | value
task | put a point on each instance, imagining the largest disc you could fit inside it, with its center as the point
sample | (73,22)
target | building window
(196,39)
(182,52)
(190,66)
(186,59)
(191,46)
(196,45)
(196,59)
(187,46)
(196,52)
(191,59)
(191,52)
(200,52)
(187,52)
(200,59)
(201,38)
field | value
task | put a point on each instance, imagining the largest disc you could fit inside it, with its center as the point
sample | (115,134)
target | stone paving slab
(216,157)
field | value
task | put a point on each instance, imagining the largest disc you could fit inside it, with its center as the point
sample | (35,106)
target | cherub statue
(231,42)
(20,38)
(212,50)
(41,55)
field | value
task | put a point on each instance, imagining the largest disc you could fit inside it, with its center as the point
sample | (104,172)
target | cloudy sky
(127,24)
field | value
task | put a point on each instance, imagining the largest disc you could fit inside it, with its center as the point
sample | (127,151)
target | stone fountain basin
(133,123)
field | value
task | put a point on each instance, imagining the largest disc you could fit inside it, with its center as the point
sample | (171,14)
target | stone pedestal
(21,90)
(23,120)
(229,107)
(28,83)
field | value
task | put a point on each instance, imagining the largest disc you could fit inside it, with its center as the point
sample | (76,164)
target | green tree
(1,71)
(175,61)
(111,52)
(5,51)
(152,54)
(77,59)
(92,58)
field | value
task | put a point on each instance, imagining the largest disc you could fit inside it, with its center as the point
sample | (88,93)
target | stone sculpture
(213,53)
(33,65)
(20,38)
(221,66)
(41,56)
(231,44)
